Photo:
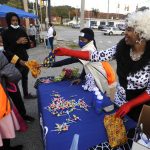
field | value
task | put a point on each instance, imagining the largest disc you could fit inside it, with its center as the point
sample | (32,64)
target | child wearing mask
(100,73)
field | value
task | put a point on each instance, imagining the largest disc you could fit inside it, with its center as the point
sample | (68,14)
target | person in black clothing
(16,43)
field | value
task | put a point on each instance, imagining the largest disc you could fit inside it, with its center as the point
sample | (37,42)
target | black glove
(49,60)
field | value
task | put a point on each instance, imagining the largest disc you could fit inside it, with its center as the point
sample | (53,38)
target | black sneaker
(28,119)
(30,96)
(18,147)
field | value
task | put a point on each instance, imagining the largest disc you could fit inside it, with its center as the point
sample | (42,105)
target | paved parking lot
(32,138)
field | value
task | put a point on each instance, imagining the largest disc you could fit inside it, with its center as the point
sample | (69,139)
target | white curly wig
(140,21)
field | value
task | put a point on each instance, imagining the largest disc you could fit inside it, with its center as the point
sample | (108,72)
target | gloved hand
(125,108)
(48,61)
(61,51)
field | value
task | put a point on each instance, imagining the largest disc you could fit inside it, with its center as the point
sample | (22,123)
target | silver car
(112,31)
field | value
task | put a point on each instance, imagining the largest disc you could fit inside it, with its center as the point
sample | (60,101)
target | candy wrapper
(115,130)
(34,67)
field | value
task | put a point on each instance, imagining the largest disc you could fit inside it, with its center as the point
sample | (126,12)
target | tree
(15,3)
(95,12)
(4,1)
(64,11)
(142,8)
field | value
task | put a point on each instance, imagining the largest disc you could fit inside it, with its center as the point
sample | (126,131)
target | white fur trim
(140,21)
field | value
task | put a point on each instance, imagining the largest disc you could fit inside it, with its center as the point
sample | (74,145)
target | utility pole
(36,7)
(108,12)
(25,5)
(49,10)
(33,7)
(82,14)
(41,16)
(46,19)
(69,15)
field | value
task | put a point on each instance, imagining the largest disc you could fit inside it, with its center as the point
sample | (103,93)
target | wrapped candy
(33,66)
(67,74)
(116,131)
(75,72)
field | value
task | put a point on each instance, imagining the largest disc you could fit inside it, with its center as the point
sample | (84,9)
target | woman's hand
(22,40)
(141,99)
(22,63)
(123,110)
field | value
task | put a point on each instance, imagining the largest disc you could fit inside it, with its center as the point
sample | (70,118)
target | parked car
(112,31)
(100,27)
(122,27)
(94,27)
(103,27)
(76,26)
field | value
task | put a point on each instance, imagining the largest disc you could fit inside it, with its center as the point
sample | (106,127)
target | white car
(76,26)
(112,31)
(94,27)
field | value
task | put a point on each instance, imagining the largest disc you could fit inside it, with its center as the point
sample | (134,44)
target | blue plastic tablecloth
(90,129)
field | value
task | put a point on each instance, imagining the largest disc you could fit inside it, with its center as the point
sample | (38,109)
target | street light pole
(41,16)
(36,7)
(33,7)
(46,19)
(49,10)
(108,12)
(82,14)
(25,5)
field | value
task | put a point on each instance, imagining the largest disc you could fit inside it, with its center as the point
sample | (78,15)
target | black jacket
(10,36)
(8,71)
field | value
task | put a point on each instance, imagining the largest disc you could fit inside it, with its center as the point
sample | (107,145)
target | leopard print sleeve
(104,55)
(148,87)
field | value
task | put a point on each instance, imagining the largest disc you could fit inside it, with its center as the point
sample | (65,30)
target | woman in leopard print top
(132,54)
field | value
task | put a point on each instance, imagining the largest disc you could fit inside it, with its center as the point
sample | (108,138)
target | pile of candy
(70,73)
(67,74)
(61,107)
(65,126)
